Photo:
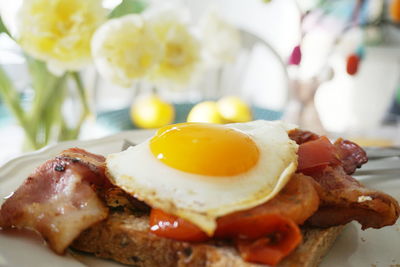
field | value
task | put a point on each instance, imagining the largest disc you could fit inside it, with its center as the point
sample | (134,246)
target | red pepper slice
(264,238)
(170,226)
(283,237)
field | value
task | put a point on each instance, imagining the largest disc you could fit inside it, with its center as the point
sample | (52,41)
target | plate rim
(55,148)
(47,151)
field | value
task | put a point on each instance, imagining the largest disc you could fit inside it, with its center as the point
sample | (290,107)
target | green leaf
(127,7)
(3,28)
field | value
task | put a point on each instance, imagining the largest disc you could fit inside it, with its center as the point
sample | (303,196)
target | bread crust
(125,238)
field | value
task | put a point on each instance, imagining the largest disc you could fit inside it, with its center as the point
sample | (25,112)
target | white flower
(220,40)
(59,31)
(181,50)
(124,49)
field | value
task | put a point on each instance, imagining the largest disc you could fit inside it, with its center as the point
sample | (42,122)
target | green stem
(64,130)
(52,110)
(81,91)
(43,83)
(45,113)
(44,116)
(84,101)
(12,100)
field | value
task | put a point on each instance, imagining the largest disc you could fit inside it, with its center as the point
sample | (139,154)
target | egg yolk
(206,149)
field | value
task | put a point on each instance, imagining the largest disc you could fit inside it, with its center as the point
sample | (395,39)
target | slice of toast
(124,237)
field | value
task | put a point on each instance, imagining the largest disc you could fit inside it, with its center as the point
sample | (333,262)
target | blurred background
(75,69)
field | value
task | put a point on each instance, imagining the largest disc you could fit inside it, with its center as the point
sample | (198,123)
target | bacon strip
(59,199)
(344,199)
(351,155)
(300,136)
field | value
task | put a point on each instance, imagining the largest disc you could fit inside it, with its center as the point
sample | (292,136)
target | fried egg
(200,172)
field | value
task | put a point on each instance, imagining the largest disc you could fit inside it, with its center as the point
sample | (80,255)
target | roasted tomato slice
(264,234)
(298,200)
(170,226)
(315,155)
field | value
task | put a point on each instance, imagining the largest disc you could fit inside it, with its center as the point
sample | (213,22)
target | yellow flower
(181,49)
(221,40)
(59,31)
(124,49)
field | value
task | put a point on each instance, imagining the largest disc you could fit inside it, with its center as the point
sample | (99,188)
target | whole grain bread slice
(125,238)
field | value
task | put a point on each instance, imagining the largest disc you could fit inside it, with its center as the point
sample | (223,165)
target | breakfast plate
(353,247)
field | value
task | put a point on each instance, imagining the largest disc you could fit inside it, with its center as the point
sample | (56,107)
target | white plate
(353,248)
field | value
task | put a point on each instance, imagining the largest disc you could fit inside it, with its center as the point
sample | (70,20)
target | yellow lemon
(152,112)
(234,109)
(205,112)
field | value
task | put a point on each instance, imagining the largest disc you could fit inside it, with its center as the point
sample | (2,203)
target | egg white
(202,199)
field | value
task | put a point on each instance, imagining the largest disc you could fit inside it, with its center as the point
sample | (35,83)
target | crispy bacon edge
(343,198)
(60,198)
